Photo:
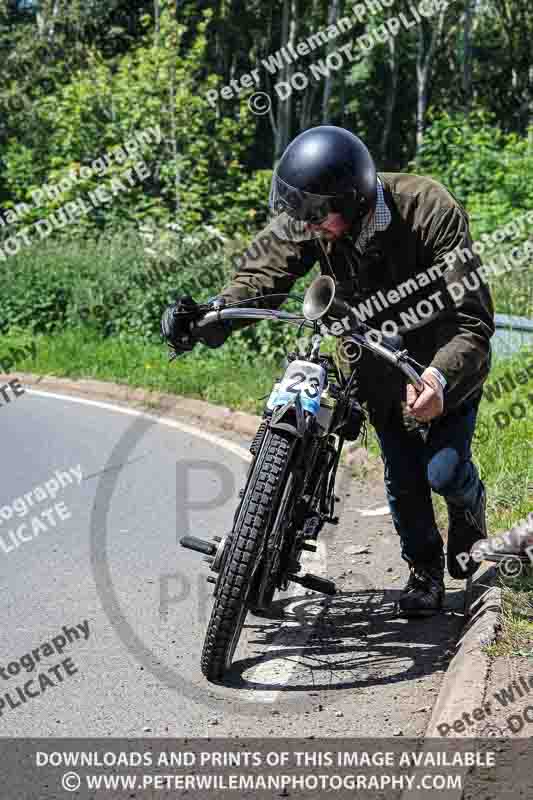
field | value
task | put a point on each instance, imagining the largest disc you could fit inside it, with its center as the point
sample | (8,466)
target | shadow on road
(346,641)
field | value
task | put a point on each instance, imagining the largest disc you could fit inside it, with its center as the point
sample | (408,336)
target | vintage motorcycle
(290,487)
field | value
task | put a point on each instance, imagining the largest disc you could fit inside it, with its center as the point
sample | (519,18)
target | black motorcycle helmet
(324,170)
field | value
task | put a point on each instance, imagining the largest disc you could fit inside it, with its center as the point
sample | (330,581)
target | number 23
(309,391)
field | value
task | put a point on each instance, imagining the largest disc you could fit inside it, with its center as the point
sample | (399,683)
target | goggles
(302,206)
(313,208)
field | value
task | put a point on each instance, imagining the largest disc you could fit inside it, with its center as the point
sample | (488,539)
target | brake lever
(423,428)
(195,313)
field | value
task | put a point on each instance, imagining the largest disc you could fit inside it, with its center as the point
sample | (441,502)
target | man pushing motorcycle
(399,249)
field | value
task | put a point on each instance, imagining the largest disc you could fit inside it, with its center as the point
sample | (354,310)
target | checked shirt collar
(379,221)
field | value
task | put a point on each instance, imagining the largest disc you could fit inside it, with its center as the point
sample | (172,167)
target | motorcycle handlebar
(394,357)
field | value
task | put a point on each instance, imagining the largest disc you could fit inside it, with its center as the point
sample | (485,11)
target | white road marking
(279,670)
(170,423)
(382,511)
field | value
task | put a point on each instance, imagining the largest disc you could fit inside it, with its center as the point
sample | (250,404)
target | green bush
(111,284)
(119,285)
(488,170)
(491,173)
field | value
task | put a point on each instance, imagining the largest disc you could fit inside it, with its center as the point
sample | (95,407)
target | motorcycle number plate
(303,378)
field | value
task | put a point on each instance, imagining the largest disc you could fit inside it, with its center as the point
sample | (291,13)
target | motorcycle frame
(303,426)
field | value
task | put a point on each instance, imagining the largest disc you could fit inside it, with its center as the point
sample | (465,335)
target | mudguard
(283,418)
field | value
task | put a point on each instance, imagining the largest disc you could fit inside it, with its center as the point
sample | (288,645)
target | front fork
(310,513)
(283,565)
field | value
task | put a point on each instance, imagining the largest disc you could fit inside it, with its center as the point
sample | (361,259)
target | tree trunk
(309,95)
(46,22)
(515,18)
(428,37)
(157,15)
(392,92)
(306,107)
(284,108)
(174,138)
(333,15)
(530,114)
(470,10)
(281,115)
(422,88)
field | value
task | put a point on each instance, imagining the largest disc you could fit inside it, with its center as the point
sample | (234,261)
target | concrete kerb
(464,685)
(465,681)
(174,405)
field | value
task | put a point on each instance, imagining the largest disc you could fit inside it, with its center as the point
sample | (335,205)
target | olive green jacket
(419,275)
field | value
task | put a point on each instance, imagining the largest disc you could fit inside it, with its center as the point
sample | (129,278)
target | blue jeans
(413,468)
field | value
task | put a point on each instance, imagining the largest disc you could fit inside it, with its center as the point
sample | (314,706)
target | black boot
(423,594)
(465,529)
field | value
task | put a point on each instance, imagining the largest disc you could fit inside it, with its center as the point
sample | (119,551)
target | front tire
(257,512)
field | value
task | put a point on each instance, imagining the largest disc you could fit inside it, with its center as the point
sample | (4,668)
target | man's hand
(429,403)
(177,322)
(178,325)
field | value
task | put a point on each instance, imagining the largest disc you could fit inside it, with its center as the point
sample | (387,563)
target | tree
(428,35)
(333,15)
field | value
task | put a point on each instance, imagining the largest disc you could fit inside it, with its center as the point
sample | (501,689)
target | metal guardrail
(516,323)
(511,334)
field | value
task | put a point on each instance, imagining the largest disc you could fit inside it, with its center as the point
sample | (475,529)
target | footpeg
(313,582)
(200,545)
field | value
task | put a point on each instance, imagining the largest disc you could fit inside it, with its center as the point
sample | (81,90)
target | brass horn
(319,300)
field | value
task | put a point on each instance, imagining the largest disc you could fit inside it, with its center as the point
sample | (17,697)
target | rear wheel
(258,512)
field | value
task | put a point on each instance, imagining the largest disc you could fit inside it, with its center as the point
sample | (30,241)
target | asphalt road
(103,559)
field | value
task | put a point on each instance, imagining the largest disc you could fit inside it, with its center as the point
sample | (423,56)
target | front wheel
(260,507)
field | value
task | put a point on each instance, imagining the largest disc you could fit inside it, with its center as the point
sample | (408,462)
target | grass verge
(219,376)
